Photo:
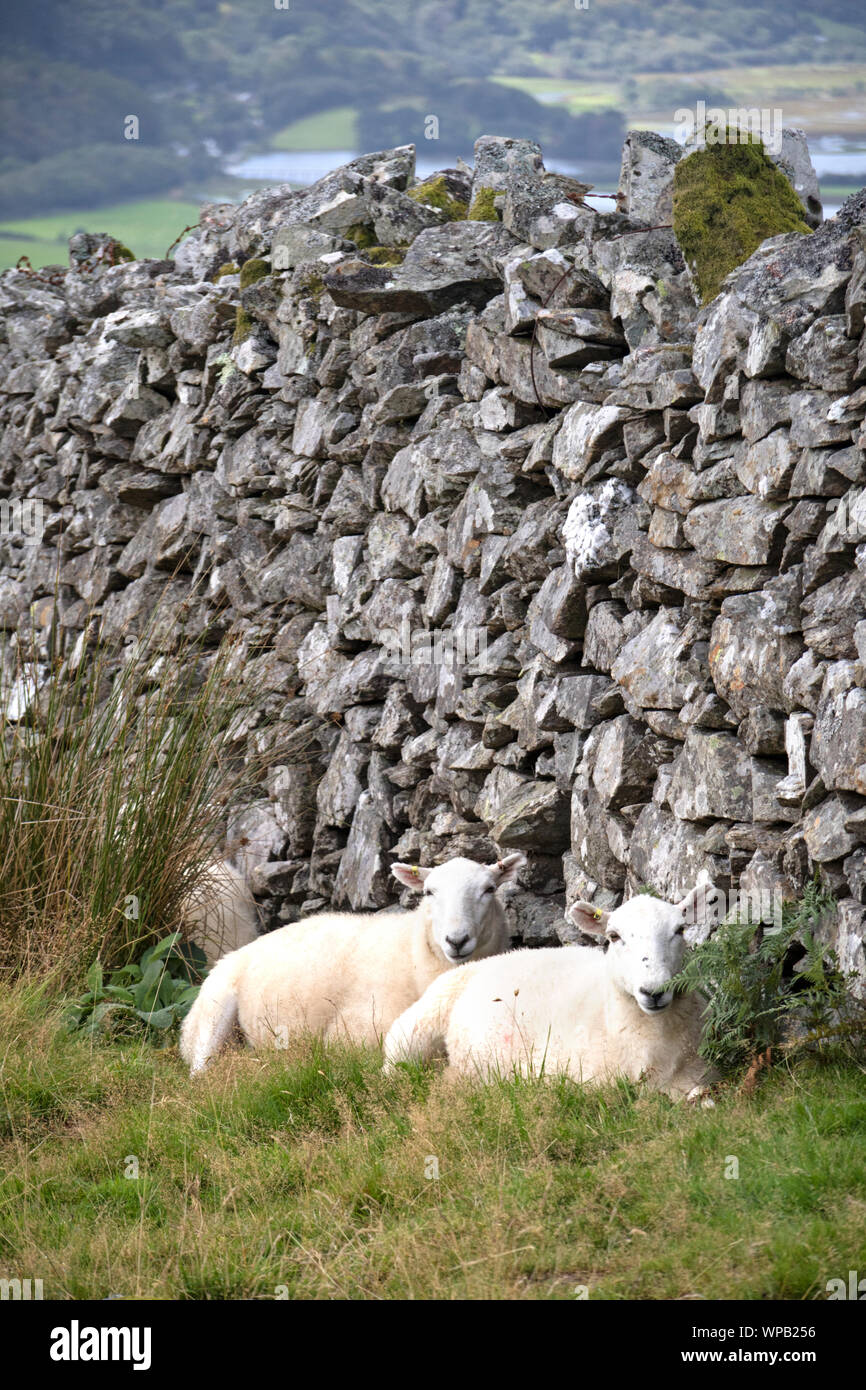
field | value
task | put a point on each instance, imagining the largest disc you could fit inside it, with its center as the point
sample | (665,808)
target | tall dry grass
(115,771)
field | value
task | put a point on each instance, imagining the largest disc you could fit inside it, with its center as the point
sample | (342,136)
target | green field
(147,226)
(327,130)
(576,96)
(310,1174)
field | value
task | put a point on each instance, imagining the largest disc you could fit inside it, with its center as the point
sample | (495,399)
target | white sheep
(571,1010)
(345,975)
(219,913)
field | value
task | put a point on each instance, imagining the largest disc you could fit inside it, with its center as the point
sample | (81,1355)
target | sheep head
(646,942)
(462,898)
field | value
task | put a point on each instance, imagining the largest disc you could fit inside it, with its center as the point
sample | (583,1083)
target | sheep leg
(418,1035)
(210,1021)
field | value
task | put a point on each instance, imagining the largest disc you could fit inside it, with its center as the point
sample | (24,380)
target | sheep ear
(695,905)
(410,875)
(508,867)
(590,919)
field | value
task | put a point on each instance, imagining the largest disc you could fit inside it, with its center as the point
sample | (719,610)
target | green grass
(327,130)
(41,253)
(148,226)
(838,192)
(304,1172)
(576,96)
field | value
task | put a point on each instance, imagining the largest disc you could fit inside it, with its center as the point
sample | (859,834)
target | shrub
(771,986)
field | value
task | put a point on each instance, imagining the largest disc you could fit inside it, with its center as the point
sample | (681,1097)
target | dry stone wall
(523,548)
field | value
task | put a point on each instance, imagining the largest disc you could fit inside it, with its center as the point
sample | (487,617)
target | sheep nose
(652,997)
(457,942)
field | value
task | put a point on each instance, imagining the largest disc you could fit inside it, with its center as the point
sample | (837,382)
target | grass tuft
(114,777)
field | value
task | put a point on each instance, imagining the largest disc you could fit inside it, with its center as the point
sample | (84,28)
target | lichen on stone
(728,199)
(226,366)
(253,270)
(433,193)
(228,268)
(483,208)
(589,524)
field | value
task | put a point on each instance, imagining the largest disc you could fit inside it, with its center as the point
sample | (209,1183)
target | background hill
(213,84)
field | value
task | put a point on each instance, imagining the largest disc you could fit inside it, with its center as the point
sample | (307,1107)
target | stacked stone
(341,420)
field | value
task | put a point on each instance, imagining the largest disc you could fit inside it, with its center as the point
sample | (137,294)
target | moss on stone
(122,253)
(728,198)
(253,270)
(433,193)
(229,268)
(483,209)
(385,255)
(310,283)
(244,324)
(361,233)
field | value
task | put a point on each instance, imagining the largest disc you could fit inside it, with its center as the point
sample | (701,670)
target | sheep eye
(613,936)
(489,889)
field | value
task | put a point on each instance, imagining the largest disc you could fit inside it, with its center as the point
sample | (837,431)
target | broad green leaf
(157,1018)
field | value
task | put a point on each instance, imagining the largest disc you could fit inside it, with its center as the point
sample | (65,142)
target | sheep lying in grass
(349,975)
(219,915)
(571,1010)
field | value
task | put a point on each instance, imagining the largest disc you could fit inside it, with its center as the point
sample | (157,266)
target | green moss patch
(385,255)
(728,199)
(253,270)
(433,193)
(244,325)
(361,233)
(483,209)
(229,268)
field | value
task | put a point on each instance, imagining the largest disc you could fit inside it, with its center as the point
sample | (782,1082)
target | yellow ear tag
(597,914)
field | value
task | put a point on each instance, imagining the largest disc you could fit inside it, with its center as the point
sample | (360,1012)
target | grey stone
(646,177)
(838,748)
(824,829)
(712,778)
(754,643)
(736,531)
(668,854)
(530,811)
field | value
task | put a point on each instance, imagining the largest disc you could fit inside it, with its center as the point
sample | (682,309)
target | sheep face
(646,944)
(463,902)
